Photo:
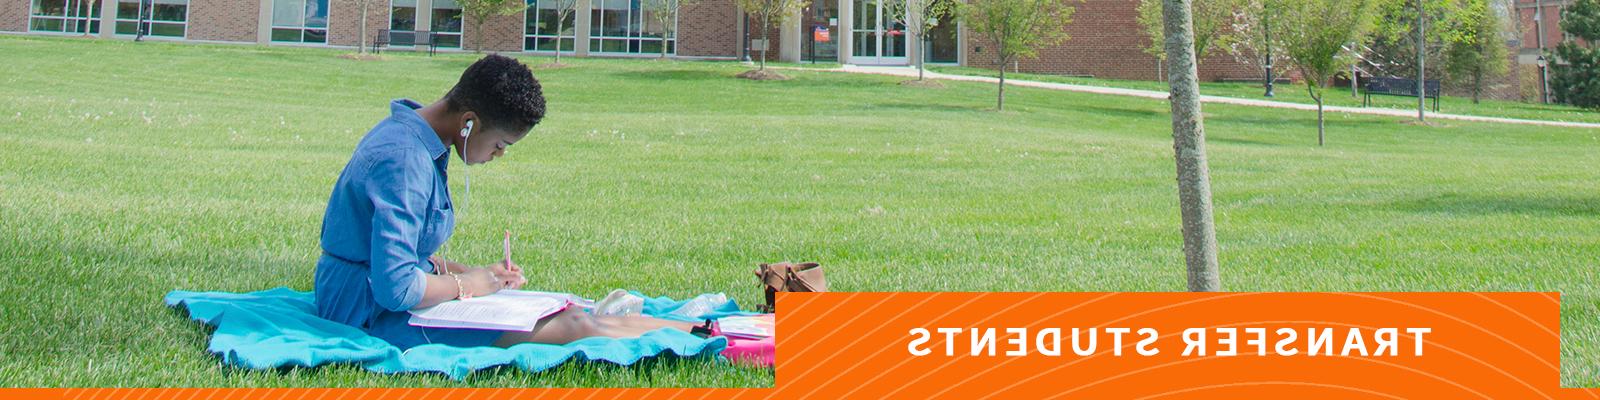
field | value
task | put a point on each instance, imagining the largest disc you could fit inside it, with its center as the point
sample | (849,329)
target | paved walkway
(912,72)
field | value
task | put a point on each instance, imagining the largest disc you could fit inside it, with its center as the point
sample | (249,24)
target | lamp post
(1266,30)
(744,50)
(1544,63)
(1544,79)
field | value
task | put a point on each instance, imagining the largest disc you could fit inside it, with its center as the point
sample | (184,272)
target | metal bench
(1400,87)
(388,38)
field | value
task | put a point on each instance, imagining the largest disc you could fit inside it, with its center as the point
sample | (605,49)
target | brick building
(1106,39)
(1538,32)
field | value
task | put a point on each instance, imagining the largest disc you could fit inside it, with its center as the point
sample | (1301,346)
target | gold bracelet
(461,289)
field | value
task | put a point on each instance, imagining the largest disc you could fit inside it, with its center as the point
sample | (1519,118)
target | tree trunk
(1422,57)
(1000,101)
(1477,84)
(561,18)
(89,17)
(1189,148)
(362,44)
(1319,120)
(664,32)
(766,21)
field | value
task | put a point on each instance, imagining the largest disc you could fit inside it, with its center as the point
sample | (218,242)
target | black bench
(1400,87)
(1280,80)
(387,38)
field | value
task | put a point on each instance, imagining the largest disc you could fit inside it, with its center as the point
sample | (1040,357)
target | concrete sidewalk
(1390,112)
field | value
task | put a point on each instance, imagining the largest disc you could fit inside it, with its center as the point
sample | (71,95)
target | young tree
(479,11)
(1314,33)
(1575,75)
(1480,55)
(1017,29)
(665,14)
(563,10)
(1213,22)
(90,9)
(928,14)
(765,11)
(365,5)
(1413,35)
(1189,146)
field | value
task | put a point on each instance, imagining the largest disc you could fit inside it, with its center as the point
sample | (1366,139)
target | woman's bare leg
(573,323)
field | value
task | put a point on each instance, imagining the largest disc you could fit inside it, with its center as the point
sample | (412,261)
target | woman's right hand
(480,282)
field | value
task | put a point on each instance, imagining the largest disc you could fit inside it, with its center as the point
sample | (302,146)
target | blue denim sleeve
(398,187)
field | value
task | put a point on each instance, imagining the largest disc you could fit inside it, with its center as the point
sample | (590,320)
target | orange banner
(1160,345)
(1106,345)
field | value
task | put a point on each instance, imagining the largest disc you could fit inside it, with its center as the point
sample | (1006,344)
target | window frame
(90,24)
(327,31)
(188,7)
(598,39)
(570,41)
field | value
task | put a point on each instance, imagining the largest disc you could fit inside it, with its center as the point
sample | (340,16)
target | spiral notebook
(506,310)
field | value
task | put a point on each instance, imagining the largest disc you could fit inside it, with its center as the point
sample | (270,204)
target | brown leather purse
(789,277)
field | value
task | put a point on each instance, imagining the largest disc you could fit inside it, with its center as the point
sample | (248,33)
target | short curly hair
(503,93)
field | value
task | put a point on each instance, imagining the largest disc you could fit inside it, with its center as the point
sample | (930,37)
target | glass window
(539,31)
(447,23)
(625,26)
(302,21)
(402,21)
(168,18)
(403,15)
(64,16)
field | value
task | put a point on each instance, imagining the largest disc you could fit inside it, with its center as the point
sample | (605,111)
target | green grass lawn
(1337,96)
(132,169)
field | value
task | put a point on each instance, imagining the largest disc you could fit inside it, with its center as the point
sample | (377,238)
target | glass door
(878,39)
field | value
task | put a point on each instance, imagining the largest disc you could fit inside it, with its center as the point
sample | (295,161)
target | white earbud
(465,133)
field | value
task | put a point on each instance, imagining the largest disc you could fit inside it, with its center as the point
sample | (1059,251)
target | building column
(581,26)
(108,18)
(961,43)
(789,42)
(424,21)
(846,30)
(264,23)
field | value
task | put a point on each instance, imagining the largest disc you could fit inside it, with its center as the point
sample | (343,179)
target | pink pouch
(748,351)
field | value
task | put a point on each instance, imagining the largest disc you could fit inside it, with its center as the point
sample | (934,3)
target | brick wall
(224,20)
(500,33)
(709,28)
(14,15)
(1106,42)
(1552,23)
(344,26)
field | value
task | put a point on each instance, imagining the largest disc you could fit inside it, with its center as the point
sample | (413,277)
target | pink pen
(507,245)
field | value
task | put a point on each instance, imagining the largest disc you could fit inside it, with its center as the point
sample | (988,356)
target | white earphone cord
(461,211)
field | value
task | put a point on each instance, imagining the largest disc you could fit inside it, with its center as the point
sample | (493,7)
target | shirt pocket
(436,230)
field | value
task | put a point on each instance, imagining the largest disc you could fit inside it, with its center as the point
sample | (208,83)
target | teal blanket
(279,327)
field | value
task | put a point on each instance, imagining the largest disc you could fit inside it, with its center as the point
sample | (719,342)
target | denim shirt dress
(390,210)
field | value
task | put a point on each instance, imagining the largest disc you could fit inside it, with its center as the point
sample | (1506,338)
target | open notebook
(506,310)
(753,327)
